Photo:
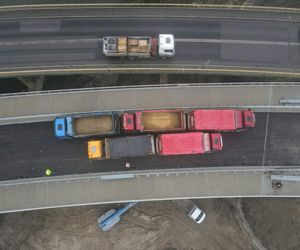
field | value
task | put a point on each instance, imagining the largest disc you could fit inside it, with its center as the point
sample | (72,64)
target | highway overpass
(29,148)
(88,189)
(60,39)
(243,169)
(46,105)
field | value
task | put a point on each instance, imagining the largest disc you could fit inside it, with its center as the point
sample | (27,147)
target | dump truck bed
(183,143)
(129,146)
(217,119)
(160,120)
(93,125)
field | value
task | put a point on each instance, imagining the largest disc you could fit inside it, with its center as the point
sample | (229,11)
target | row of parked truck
(169,132)
(152,121)
(161,144)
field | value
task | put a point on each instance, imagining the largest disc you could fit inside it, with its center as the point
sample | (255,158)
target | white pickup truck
(191,210)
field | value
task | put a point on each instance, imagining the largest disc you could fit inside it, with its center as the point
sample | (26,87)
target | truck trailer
(121,147)
(85,125)
(139,46)
(154,121)
(220,120)
(188,143)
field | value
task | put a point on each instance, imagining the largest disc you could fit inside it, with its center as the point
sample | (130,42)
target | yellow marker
(48,172)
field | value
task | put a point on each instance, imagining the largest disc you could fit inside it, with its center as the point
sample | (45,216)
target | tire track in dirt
(246,227)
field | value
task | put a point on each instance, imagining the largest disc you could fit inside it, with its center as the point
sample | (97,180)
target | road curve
(243,43)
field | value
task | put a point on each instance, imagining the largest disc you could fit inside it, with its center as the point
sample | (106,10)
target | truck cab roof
(166,45)
(95,149)
(197,215)
(60,127)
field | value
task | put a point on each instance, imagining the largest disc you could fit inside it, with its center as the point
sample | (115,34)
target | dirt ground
(230,224)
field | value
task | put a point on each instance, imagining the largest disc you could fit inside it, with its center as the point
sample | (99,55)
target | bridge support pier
(33,83)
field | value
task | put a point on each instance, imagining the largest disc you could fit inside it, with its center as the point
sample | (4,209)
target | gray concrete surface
(61,44)
(45,106)
(75,190)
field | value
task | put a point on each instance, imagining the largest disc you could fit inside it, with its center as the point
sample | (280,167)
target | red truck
(154,121)
(220,119)
(188,143)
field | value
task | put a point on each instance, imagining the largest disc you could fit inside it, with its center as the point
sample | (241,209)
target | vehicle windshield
(199,217)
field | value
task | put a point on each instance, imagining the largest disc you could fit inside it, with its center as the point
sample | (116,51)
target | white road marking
(178,40)
(231,41)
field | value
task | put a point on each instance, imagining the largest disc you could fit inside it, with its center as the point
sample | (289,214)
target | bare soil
(230,224)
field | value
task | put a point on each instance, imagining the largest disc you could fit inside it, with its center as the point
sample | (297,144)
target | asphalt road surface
(219,41)
(27,150)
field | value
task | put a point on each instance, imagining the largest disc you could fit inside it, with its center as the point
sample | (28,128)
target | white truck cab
(166,45)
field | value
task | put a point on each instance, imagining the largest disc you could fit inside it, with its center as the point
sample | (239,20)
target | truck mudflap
(138,121)
(107,152)
(248,118)
(216,141)
(153,47)
(191,120)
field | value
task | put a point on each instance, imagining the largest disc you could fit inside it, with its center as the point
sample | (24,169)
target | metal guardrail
(179,85)
(291,178)
(291,102)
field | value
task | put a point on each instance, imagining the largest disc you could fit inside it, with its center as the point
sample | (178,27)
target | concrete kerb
(149,5)
(160,86)
(211,69)
(147,173)
(50,117)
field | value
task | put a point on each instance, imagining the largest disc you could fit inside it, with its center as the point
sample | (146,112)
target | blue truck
(86,125)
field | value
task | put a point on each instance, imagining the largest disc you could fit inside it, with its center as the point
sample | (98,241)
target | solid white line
(232,41)
(36,42)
